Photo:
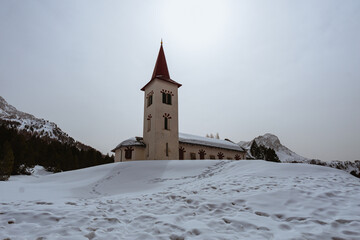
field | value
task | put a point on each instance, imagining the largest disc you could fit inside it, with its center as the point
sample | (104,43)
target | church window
(220,155)
(149,100)
(167,121)
(128,152)
(181,153)
(167,149)
(202,154)
(192,156)
(169,99)
(166,98)
(149,122)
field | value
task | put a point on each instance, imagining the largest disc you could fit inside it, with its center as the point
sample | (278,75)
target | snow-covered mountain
(29,124)
(271,141)
(286,155)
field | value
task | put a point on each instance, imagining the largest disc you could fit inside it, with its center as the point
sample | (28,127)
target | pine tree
(6,162)
(270,155)
(255,150)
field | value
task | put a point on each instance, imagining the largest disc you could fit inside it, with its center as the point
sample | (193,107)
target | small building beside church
(161,138)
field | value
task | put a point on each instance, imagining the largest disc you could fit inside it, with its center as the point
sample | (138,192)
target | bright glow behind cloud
(198,24)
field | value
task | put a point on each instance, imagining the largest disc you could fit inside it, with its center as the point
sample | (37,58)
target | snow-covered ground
(201,199)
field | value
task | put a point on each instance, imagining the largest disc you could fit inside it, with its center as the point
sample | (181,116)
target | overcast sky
(291,68)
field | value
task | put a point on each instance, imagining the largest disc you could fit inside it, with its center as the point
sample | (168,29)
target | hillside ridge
(28,124)
(286,155)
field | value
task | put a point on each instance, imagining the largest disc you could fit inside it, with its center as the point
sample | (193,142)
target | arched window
(167,121)
(150,98)
(202,154)
(220,155)
(166,96)
(128,152)
(181,153)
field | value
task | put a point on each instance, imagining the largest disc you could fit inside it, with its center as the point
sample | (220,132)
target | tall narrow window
(167,149)
(149,100)
(149,122)
(167,121)
(149,125)
(181,153)
(166,97)
(169,99)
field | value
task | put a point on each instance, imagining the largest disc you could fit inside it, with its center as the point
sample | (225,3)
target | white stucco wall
(158,136)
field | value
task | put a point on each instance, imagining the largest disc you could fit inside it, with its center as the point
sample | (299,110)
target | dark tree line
(262,152)
(19,152)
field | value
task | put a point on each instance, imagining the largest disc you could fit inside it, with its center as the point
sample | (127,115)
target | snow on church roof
(210,142)
(134,141)
(189,139)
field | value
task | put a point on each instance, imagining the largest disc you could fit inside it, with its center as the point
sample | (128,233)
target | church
(161,138)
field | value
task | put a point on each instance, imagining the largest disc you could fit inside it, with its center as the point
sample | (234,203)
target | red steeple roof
(161,70)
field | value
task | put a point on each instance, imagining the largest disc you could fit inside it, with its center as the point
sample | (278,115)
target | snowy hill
(203,199)
(28,124)
(286,155)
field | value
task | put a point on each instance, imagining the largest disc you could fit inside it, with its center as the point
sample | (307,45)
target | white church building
(161,138)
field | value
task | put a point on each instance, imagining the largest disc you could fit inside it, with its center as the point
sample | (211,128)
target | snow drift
(206,199)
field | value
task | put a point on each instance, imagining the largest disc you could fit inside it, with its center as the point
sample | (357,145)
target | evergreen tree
(270,155)
(27,151)
(255,150)
(262,152)
(6,161)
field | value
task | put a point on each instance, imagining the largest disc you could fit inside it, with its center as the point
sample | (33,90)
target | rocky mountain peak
(270,140)
(9,112)
(29,124)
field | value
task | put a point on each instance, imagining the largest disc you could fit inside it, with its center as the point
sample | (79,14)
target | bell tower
(161,124)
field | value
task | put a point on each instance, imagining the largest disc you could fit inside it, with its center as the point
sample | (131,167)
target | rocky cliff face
(32,126)
(271,141)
